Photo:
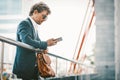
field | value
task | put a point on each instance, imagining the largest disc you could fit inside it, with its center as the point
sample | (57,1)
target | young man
(25,60)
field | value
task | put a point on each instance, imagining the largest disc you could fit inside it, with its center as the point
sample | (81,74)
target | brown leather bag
(44,67)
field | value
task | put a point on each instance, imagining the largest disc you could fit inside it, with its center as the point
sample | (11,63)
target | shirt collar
(35,25)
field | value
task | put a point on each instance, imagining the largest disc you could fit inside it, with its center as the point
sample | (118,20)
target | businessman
(27,32)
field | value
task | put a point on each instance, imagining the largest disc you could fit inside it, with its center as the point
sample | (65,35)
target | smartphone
(59,39)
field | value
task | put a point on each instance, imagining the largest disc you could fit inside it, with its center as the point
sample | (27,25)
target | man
(25,60)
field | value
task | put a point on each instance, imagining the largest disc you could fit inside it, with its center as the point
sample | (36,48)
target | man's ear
(35,11)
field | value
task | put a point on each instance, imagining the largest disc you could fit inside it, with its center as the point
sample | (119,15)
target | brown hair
(39,7)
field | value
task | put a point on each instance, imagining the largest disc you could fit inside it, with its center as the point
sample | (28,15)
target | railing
(16,43)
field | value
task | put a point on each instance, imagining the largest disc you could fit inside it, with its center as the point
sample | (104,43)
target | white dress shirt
(35,25)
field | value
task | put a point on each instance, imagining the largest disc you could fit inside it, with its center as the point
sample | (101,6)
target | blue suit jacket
(25,59)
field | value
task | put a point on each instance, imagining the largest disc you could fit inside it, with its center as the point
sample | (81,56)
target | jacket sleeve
(25,34)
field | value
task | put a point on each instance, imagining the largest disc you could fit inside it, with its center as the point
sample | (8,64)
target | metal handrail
(17,43)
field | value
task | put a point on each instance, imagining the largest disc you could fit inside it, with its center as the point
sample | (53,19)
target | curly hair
(39,7)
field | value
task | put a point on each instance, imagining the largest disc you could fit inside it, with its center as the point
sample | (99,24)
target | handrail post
(2,58)
(56,65)
(65,67)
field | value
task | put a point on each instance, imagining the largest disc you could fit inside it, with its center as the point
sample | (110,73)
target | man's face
(40,17)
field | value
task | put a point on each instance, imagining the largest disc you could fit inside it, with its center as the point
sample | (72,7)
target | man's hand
(51,42)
